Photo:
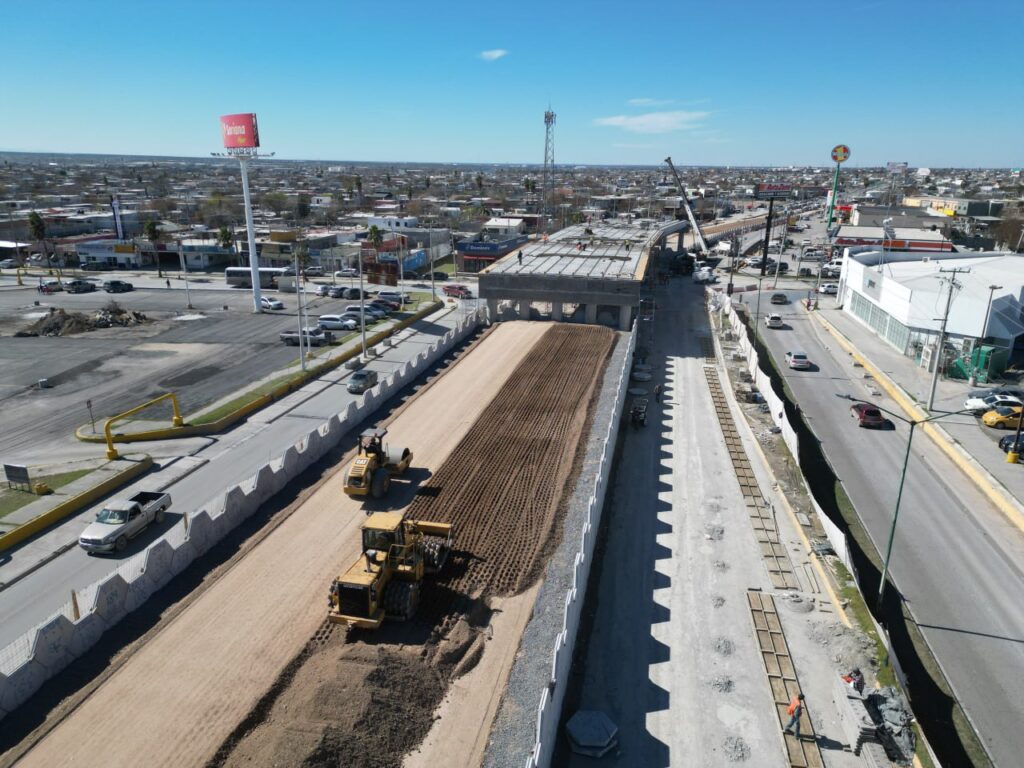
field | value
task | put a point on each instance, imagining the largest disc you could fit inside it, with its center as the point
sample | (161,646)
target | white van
(369,310)
(337,323)
(397,296)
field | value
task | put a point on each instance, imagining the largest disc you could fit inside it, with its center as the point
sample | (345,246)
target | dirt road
(174,702)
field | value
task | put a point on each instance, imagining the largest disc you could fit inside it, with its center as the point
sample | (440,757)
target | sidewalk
(979,441)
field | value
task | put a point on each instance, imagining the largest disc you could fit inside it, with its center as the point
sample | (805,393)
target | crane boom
(689,211)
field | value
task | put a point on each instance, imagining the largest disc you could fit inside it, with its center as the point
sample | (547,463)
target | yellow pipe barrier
(74,504)
(194,430)
(176,421)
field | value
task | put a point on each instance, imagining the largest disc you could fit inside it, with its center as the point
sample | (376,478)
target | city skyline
(462,85)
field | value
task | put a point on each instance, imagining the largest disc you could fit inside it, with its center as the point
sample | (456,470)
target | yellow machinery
(370,472)
(385,580)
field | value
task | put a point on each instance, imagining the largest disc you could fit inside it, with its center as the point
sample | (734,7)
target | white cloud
(633,146)
(645,102)
(655,122)
(493,54)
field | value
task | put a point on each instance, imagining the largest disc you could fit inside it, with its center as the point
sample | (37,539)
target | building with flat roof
(598,268)
(902,239)
(901,297)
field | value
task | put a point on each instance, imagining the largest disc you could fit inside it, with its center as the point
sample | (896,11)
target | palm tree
(37,228)
(224,238)
(375,237)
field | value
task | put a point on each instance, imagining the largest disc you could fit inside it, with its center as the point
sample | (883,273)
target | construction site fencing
(549,706)
(45,650)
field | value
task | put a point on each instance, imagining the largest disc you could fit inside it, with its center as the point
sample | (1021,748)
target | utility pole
(184,272)
(953,284)
(298,309)
(767,237)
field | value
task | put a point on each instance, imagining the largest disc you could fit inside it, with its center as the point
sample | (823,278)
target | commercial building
(592,272)
(901,239)
(902,296)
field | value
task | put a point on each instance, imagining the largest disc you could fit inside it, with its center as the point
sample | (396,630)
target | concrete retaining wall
(44,651)
(551,697)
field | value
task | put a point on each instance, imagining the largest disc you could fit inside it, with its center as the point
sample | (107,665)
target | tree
(302,206)
(275,201)
(152,231)
(375,237)
(480,182)
(1008,233)
(225,239)
(36,226)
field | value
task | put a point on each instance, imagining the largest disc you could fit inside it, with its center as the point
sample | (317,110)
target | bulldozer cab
(382,531)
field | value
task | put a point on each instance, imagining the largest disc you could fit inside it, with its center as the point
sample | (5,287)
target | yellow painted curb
(214,427)
(785,503)
(74,504)
(1003,501)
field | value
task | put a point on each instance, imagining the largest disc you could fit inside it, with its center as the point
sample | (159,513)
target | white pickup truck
(123,519)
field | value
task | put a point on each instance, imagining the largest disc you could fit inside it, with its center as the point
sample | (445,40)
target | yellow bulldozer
(385,581)
(371,470)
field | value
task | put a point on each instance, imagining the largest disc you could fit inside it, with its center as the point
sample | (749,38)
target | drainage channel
(782,679)
(759,510)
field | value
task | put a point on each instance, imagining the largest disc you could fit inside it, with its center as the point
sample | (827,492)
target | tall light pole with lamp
(903,475)
(242,141)
(984,327)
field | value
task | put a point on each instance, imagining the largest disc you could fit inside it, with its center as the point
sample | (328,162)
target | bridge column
(624,312)
(590,315)
(556,311)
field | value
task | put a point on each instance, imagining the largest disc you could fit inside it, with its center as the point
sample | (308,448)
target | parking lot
(201,354)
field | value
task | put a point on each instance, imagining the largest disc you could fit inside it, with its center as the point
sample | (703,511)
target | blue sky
(932,83)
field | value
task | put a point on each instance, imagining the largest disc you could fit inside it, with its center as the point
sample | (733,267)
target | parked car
(354,293)
(438,276)
(868,416)
(118,286)
(798,360)
(8,264)
(1011,391)
(347,272)
(361,380)
(783,266)
(79,286)
(95,266)
(401,298)
(123,519)
(314,336)
(323,290)
(384,306)
(1009,442)
(313,271)
(830,289)
(780,298)
(1002,417)
(774,321)
(982,405)
(268,302)
(367,309)
(336,292)
(337,323)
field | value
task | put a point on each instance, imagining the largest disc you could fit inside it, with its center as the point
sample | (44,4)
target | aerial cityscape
(419,386)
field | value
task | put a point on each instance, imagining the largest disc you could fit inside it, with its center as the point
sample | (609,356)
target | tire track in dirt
(502,484)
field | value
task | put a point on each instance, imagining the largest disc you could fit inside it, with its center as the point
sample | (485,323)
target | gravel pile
(57,322)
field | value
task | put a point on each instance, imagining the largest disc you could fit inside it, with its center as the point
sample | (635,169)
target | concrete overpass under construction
(598,268)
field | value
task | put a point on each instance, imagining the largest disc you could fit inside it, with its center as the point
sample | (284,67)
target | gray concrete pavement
(671,655)
(226,460)
(956,559)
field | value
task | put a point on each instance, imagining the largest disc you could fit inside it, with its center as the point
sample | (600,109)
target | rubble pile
(61,323)
(890,711)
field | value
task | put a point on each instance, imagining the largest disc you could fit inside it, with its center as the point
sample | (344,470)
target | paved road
(956,560)
(231,458)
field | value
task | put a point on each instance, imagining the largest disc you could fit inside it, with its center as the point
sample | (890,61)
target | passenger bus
(241,277)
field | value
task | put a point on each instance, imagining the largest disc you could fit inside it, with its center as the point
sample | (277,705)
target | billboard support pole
(250,229)
(767,240)
(832,199)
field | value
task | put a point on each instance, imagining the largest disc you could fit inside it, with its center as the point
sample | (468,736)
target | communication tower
(549,164)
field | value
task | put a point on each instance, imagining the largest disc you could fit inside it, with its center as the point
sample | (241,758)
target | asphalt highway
(956,560)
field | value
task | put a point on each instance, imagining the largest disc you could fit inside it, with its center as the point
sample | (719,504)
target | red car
(868,416)
(459,291)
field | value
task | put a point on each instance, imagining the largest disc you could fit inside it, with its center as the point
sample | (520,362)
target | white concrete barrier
(41,653)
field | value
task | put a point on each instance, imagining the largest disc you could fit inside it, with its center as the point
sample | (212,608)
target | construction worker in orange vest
(794,710)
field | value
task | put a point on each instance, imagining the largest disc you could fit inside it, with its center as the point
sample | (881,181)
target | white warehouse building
(902,298)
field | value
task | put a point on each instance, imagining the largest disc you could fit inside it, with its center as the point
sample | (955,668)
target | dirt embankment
(367,699)
(58,322)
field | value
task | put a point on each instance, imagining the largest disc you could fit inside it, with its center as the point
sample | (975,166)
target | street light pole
(984,329)
(184,272)
(942,333)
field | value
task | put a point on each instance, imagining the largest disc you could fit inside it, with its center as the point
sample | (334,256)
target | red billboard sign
(239,131)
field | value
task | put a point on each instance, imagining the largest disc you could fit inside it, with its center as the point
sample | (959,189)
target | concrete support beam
(556,311)
(524,309)
(492,310)
(591,314)
(624,315)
